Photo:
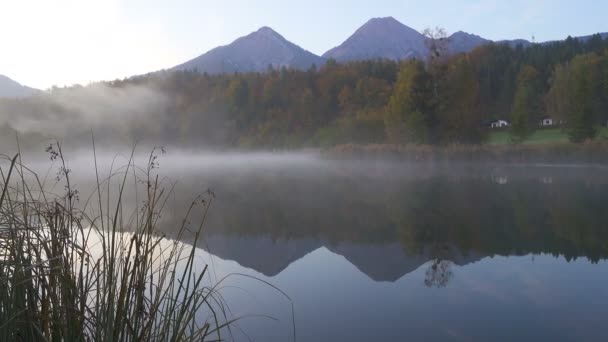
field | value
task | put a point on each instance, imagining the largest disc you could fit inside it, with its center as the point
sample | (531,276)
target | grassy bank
(85,269)
(540,136)
(592,152)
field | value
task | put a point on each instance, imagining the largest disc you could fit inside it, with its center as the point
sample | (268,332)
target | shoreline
(588,153)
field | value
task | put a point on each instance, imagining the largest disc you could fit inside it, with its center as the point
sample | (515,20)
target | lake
(388,251)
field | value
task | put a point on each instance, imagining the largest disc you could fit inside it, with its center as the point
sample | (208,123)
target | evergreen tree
(526,106)
(581,121)
(459,113)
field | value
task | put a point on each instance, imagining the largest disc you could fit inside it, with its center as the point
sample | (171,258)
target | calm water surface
(375,251)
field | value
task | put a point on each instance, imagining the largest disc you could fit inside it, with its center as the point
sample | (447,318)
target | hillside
(253,53)
(10,88)
(380,38)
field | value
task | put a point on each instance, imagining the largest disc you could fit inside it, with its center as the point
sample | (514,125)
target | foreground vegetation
(447,99)
(101,273)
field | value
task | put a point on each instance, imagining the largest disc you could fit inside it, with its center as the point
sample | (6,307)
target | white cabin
(547,121)
(499,124)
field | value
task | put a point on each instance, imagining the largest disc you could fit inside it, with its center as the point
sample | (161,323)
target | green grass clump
(99,273)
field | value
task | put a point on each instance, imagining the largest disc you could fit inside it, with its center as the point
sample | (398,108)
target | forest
(446,99)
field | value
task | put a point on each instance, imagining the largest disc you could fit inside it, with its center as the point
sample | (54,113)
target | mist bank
(117,116)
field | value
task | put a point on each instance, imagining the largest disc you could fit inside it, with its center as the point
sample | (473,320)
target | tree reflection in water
(439,273)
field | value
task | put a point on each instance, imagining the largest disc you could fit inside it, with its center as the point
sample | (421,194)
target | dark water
(371,251)
(392,252)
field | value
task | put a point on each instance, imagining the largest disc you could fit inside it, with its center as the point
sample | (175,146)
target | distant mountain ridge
(378,38)
(253,53)
(460,42)
(11,88)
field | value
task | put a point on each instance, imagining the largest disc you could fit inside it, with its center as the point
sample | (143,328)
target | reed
(93,270)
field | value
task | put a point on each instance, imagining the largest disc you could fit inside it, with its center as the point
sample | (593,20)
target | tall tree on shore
(526,104)
(437,42)
(559,99)
(578,95)
(604,87)
(581,122)
(460,112)
(407,115)
(586,97)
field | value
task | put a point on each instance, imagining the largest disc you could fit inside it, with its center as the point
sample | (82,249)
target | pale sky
(64,42)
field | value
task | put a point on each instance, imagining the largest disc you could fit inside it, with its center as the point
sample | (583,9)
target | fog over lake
(378,250)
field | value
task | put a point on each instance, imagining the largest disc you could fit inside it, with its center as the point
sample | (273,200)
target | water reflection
(389,219)
(374,251)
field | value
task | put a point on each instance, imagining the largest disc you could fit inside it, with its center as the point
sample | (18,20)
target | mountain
(10,88)
(254,52)
(380,38)
(464,42)
(390,39)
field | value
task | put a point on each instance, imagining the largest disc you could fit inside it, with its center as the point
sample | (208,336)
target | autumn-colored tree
(408,109)
(577,95)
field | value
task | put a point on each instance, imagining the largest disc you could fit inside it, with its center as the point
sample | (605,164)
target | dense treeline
(443,100)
